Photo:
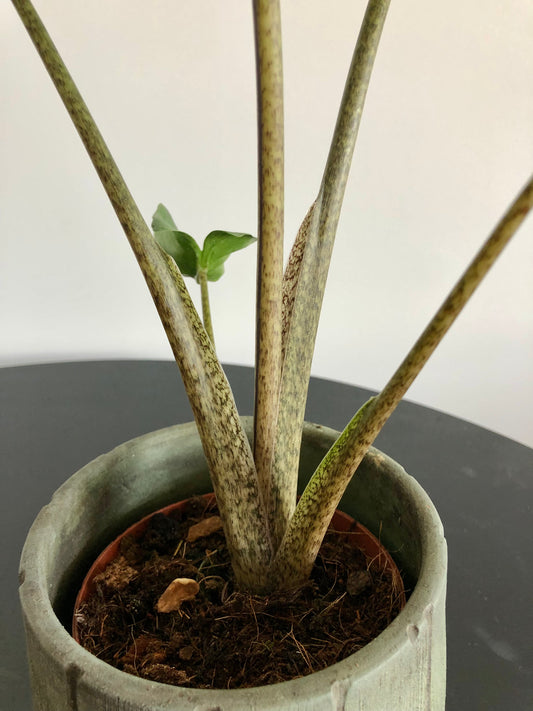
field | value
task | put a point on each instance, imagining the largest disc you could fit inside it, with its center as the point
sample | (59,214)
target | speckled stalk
(313,513)
(270,256)
(225,443)
(319,230)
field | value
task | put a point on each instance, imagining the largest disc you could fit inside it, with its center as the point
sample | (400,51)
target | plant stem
(312,258)
(225,443)
(321,497)
(206,309)
(292,273)
(267,24)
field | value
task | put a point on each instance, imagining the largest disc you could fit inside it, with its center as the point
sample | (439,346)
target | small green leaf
(218,245)
(182,248)
(162,219)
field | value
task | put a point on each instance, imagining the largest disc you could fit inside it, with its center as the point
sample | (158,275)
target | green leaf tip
(218,245)
(162,219)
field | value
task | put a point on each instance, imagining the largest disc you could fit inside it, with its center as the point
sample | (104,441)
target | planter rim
(35,595)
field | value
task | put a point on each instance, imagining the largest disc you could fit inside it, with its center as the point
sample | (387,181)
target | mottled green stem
(320,499)
(270,256)
(206,309)
(225,443)
(312,263)
(292,273)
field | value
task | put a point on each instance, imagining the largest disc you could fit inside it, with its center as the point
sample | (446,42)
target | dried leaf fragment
(117,575)
(179,590)
(165,673)
(358,582)
(204,528)
(186,653)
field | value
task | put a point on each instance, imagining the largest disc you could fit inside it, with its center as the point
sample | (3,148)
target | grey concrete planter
(402,670)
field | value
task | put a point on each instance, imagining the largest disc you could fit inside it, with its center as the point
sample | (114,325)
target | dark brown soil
(224,638)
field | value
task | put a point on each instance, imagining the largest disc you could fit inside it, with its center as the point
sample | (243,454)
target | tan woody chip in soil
(179,590)
(204,528)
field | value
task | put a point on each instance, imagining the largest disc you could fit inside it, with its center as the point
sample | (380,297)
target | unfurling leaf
(179,590)
(204,528)
(218,245)
(185,251)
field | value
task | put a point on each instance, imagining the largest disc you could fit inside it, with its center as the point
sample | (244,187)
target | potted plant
(272,536)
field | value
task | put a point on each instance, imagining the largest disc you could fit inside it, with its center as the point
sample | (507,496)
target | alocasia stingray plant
(272,537)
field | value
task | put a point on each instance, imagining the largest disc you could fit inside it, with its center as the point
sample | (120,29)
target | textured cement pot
(403,669)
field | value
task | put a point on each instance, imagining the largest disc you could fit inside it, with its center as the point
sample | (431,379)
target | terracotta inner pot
(359,536)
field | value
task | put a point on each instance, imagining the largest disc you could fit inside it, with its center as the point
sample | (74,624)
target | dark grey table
(55,418)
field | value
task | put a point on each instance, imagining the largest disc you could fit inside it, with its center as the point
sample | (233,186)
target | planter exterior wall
(403,669)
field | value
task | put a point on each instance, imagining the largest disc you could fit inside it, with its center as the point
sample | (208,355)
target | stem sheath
(309,265)
(307,527)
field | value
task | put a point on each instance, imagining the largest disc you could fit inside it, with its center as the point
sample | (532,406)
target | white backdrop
(445,143)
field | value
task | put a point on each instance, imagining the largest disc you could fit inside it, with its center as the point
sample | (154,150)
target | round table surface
(57,417)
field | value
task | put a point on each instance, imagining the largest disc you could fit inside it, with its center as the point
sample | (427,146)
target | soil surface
(215,636)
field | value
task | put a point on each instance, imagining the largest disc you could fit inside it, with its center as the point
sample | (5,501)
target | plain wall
(445,143)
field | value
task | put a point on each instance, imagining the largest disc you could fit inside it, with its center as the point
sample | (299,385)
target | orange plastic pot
(360,537)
